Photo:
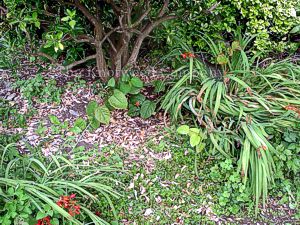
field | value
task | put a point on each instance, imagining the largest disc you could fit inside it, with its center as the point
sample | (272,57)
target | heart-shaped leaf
(136,82)
(194,139)
(91,107)
(102,114)
(183,129)
(118,100)
(147,109)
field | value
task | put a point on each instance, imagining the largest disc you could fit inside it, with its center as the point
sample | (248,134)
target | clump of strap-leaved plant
(235,103)
(124,93)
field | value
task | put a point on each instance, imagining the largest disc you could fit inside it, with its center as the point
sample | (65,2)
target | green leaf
(54,120)
(118,100)
(235,45)
(133,111)
(194,139)
(72,23)
(295,30)
(64,19)
(147,109)
(125,87)
(137,98)
(95,123)
(111,82)
(91,107)
(222,59)
(159,86)
(137,82)
(40,215)
(80,123)
(183,129)
(194,130)
(102,114)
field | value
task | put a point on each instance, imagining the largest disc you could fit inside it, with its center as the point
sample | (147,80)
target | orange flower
(137,104)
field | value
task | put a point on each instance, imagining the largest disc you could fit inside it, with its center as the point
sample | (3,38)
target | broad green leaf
(40,215)
(137,98)
(147,109)
(72,23)
(95,123)
(91,107)
(136,82)
(111,82)
(80,123)
(102,114)
(125,87)
(295,30)
(194,130)
(183,129)
(118,100)
(194,139)
(54,120)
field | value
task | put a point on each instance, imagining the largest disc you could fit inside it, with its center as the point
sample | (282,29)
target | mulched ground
(123,130)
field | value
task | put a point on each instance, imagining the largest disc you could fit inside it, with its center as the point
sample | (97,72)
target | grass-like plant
(235,102)
(45,180)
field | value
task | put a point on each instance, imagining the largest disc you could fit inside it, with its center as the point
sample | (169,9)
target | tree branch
(141,18)
(115,8)
(68,67)
(145,32)
(164,8)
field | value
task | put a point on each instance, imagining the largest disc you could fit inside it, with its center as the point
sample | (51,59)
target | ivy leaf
(91,107)
(102,114)
(136,82)
(194,139)
(183,129)
(54,120)
(147,109)
(118,100)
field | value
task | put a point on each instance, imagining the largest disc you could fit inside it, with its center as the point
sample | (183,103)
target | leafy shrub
(270,21)
(236,102)
(39,88)
(54,188)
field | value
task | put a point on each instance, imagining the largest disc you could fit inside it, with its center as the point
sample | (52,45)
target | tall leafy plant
(42,185)
(236,101)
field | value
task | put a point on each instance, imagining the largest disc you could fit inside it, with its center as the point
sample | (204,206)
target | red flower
(72,195)
(69,204)
(44,221)
(137,104)
(187,55)
(97,213)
